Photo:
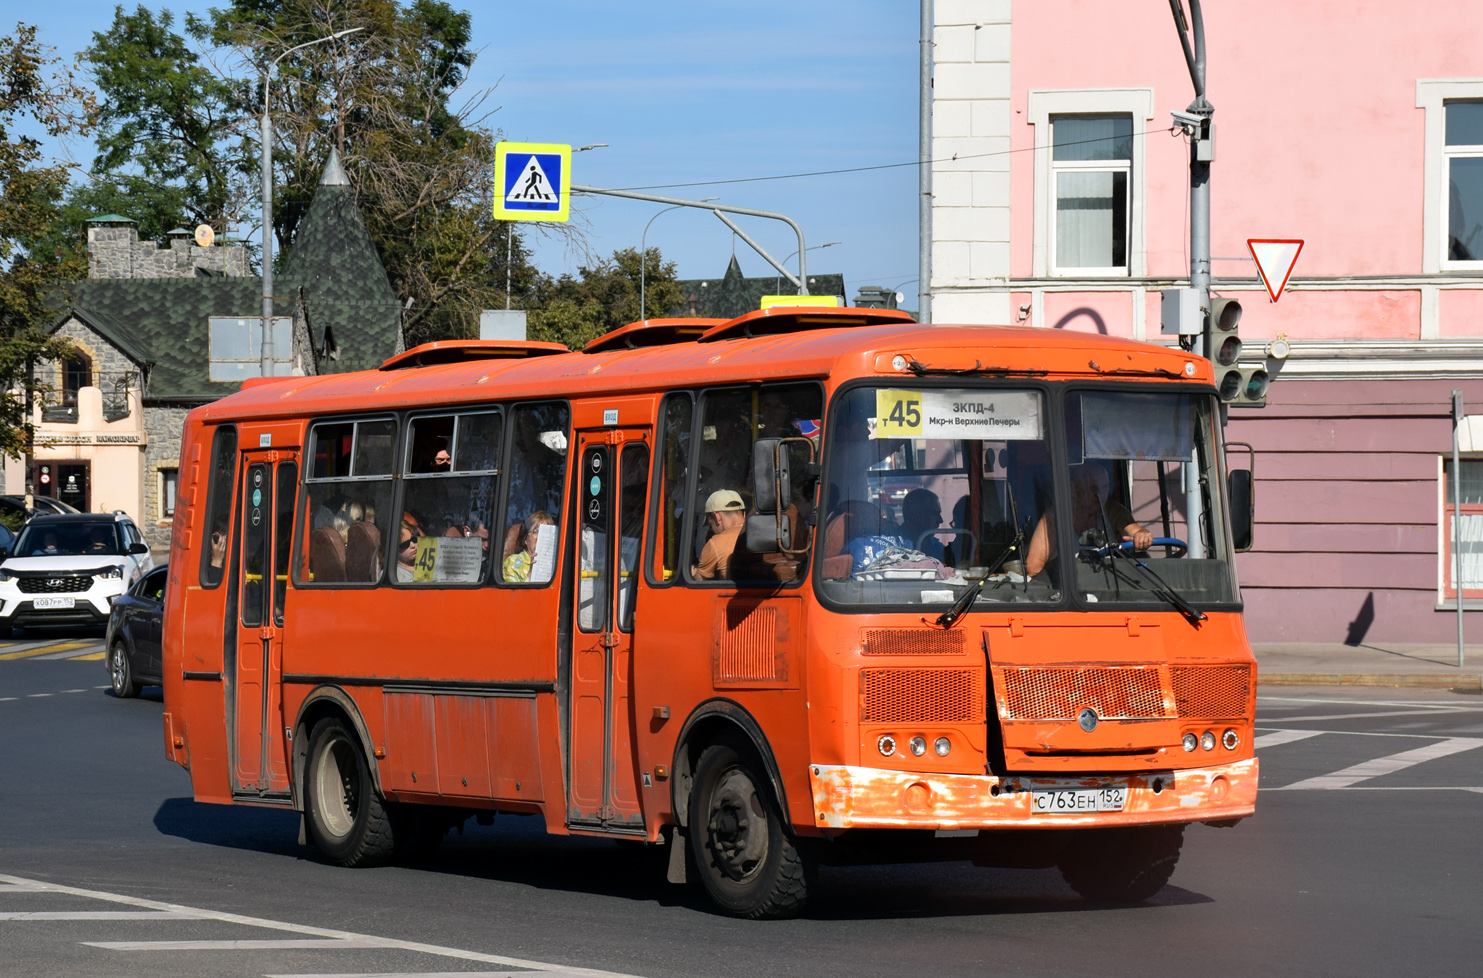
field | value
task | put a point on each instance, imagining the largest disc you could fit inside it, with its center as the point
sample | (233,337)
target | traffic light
(1239,386)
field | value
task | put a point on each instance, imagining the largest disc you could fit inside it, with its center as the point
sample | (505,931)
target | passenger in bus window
(517,566)
(725,515)
(1092,508)
(921,513)
(218,549)
(406,550)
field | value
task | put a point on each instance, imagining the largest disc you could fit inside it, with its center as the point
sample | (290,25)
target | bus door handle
(266,632)
(609,641)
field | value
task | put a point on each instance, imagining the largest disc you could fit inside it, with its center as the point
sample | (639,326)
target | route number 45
(898,414)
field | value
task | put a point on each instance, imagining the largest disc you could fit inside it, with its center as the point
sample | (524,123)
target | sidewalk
(1378,664)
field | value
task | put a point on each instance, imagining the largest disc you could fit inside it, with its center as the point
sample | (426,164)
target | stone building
(160,331)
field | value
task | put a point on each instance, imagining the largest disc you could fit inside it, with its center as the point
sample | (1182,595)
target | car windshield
(69,539)
(933,492)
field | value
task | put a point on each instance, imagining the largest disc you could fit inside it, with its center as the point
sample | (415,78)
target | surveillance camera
(1187,119)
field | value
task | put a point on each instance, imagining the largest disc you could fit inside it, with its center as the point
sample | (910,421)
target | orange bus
(809,586)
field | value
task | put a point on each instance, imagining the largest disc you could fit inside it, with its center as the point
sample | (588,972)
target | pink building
(1060,199)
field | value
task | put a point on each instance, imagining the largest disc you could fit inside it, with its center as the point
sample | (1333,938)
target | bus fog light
(1191,742)
(886,745)
(943,746)
(918,746)
(1230,740)
(1207,740)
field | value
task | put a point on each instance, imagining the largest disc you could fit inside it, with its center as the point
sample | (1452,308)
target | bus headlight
(1191,742)
(1207,740)
(918,746)
(1230,740)
(886,745)
(943,746)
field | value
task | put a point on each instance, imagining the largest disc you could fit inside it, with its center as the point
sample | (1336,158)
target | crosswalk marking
(90,657)
(44,649)
(1386,765)
(338,938)
(97,914)
(1282,737)
(71,653)
(430,974)
(278,945)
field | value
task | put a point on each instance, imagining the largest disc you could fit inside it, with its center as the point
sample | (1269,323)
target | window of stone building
(1464,153)
(1091,181)
(169,479)
(77,373)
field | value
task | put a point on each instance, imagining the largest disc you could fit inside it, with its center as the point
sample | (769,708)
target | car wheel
(747,859)
(120,674)
(346,818)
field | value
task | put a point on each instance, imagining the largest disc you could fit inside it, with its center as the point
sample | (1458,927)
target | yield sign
(1275,258)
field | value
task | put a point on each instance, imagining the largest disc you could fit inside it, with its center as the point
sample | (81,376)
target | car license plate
(1073,800)
(42,604)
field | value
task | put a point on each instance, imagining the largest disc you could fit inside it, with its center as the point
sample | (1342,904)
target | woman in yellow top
(516,567)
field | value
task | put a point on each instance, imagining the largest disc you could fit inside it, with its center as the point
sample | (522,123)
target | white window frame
(167,474)
(1432,95)
(1043,105)
(1472,596)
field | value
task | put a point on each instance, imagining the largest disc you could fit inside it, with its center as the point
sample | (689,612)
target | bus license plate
(41,604)
(1072,800)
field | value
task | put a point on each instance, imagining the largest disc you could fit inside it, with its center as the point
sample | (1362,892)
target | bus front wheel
(1125,865)
(347,820)
(748,862)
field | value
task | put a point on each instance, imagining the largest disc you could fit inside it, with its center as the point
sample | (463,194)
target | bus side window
(449,483)
(219,505)
(348,504)
(537,477)
(732,420)
(673,461)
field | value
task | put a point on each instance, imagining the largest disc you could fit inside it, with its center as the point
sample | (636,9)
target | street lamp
(644,254)
(779,286)
(266,367)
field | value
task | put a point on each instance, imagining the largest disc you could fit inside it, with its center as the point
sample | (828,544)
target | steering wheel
(1160,542)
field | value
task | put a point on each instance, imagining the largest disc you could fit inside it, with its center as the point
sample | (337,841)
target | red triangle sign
(1275,258)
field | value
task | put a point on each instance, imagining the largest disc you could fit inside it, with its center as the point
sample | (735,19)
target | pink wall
(1317,131)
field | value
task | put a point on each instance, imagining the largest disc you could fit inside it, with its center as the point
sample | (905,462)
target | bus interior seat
(326,556)
(363,552)
(855,519)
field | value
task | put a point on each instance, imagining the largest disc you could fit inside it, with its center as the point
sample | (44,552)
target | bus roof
(818,351)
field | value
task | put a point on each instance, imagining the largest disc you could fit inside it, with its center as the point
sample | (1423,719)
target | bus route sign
(532,181)
(995,415)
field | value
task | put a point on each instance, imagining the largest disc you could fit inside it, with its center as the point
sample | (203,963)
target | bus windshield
(932,490)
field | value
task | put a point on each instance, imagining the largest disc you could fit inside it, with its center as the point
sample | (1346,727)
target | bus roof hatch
(652,332)
(797,319)
(463,351)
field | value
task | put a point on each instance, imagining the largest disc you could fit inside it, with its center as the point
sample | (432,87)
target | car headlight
(6,575)
(114,573)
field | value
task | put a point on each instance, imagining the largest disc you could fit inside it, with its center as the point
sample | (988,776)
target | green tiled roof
(164,321)
(735,295)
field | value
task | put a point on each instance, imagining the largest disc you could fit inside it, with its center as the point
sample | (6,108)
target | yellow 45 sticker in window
(898,414)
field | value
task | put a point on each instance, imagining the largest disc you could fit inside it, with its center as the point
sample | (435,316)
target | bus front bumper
(859,797)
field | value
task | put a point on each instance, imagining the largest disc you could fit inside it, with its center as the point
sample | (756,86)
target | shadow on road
(517,850)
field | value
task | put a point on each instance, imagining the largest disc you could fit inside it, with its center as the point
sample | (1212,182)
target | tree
(575,311)
(37,92)
(416,149)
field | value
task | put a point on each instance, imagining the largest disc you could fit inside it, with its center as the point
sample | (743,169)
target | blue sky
(687,92)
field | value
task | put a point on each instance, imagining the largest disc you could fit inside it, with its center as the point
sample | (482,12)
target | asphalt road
(1364,859)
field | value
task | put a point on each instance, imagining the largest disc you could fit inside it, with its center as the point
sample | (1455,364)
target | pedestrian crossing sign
(532,181)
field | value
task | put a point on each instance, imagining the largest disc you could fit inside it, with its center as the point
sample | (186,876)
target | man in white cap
(725,514)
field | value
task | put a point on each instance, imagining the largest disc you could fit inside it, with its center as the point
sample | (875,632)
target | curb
(1470,682)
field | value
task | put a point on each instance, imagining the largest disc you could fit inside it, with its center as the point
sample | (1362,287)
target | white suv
(67,569)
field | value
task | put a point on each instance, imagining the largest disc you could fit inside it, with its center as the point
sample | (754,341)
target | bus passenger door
(269,494)
(611,496)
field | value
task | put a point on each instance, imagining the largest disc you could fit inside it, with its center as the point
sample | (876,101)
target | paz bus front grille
(921,696)
(1059,693)
(1212,692)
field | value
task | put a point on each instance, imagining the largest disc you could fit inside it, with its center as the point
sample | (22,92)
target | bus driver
(1091,509)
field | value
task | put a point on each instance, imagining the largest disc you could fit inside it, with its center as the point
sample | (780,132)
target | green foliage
(35,90)
(576,310)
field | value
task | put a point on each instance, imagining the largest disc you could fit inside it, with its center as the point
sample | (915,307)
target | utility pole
(1196,121)
(924,169)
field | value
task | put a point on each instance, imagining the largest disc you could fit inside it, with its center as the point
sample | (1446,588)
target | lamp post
(778,287)
(266,367)
(644,256)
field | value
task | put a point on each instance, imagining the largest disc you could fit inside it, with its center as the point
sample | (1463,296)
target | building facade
(1060,201)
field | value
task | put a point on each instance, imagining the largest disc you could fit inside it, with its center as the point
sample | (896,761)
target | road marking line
(1366,716)
(425,974)
(90,657)
(43,650)
(7,699)
(280,945)
(97,915)
(1269,698)
(1386,765)
(36,696)
(102,687)
(337,935)
(1366,733)
(16,888)
(71,653)
(1277,737)
(74,691)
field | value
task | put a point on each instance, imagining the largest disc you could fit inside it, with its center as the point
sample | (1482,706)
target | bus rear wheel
(1126,865)
(748,862)
(346,819)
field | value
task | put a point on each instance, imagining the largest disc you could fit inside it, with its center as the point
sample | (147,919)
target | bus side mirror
(765,536)
(1242,493)
(771,484)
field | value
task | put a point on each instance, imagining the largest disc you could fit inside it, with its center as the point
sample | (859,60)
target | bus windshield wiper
(1162,588)
(949,617)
